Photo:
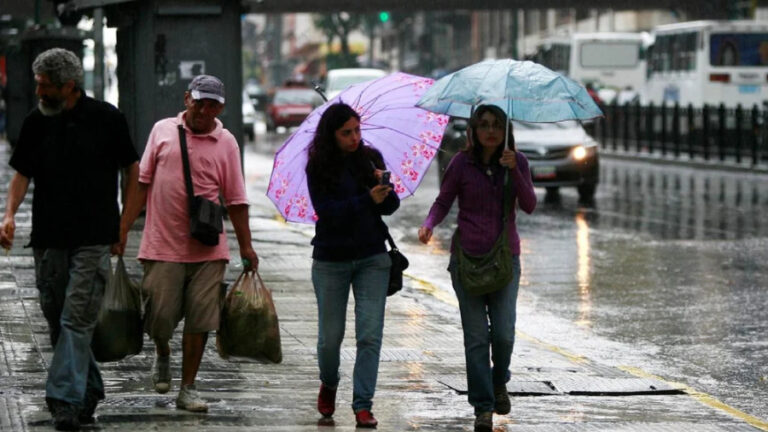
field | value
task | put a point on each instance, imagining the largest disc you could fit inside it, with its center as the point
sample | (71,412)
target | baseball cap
(207,87)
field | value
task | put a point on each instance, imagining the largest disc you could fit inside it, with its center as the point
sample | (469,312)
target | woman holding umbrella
(476,177)
(344,177)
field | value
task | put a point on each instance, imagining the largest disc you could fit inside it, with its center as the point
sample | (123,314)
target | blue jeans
(369,278)
(71,284)
(487,321)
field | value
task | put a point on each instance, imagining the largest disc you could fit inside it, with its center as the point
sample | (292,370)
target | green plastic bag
(249,326)
(119,329)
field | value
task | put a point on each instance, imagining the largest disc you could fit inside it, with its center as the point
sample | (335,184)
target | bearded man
(72,147)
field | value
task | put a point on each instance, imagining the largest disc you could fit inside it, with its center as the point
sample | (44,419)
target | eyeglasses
(487,127)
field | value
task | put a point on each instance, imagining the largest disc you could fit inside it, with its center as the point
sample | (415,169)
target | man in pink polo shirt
(182,275)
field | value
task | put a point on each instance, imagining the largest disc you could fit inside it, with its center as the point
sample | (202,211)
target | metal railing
(709,133)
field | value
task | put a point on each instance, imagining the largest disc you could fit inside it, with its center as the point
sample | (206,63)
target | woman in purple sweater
(476,177)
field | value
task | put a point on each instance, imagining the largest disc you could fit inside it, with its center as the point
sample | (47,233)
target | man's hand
(250,260)
(7,232)
(119,247)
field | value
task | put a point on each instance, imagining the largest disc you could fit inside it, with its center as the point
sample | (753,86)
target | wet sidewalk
(421,381)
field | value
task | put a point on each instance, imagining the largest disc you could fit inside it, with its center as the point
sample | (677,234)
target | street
(667,267)
(623,324)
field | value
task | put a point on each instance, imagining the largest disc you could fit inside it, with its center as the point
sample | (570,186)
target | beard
(50,107)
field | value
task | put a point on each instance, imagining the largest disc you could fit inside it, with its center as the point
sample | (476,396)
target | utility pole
(98,53)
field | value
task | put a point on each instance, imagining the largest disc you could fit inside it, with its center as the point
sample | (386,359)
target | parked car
(290,106)
(339,79)
(257,95)
(560,154)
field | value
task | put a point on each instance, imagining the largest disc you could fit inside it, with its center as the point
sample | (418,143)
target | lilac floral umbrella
(408,138)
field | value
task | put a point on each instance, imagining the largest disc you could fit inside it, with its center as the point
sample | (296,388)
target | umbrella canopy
(408,138)
(525,90)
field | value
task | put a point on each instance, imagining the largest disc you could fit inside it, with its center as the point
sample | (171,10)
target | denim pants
(487,321)
(71,284)
(369,278)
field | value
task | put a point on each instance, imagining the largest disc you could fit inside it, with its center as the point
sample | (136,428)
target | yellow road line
(701,397)
(576,358)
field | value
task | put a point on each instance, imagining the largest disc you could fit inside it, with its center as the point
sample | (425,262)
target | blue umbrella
(525,90)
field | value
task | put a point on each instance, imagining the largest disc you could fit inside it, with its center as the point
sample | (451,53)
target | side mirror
(460,124)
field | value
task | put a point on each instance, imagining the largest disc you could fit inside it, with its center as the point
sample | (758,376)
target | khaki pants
(182,290)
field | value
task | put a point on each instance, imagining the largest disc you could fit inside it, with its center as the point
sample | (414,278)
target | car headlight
(579,153)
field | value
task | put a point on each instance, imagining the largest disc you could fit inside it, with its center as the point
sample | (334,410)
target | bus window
(738,49)
(683,51)
(613,54)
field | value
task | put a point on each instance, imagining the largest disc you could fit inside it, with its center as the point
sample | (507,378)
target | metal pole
(37,12)
(98,54)
(739,129)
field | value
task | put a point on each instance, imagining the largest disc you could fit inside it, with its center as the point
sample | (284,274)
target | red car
(290,106)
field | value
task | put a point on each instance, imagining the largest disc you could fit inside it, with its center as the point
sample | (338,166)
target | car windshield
(342,82)
(570,124)
(297,97)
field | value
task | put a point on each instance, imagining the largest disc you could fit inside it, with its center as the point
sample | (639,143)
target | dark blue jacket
(349,223)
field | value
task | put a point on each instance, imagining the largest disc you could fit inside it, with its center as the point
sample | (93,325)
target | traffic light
(383,16)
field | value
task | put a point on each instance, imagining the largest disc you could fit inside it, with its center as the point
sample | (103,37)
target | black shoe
(89,407)
(484,422)
(64,415)
(502,405)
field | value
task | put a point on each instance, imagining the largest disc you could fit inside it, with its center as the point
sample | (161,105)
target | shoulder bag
(399,264)
(205,216)
(491,271)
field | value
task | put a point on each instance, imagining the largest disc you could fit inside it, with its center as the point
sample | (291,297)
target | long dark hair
(473,147)
(326,159)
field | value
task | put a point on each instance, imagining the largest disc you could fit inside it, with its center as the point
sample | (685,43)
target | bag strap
(392,245)
(185,162)
(507,201)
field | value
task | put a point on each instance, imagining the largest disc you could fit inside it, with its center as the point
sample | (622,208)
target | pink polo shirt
(214,160)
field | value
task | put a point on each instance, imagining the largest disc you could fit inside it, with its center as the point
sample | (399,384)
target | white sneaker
(189,399)
(161,374)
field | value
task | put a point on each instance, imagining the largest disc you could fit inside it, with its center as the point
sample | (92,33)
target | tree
(339,25)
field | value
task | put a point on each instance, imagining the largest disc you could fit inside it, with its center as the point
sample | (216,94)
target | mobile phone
(385,177)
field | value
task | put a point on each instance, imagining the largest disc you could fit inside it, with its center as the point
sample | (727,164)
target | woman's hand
(508,159)
(380,192)
(425,234)
(377,173)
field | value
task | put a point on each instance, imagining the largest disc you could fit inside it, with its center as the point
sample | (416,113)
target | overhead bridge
(702,8)
(699,8)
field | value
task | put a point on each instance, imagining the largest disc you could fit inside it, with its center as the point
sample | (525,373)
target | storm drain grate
(577,386)
(599,386)
(514,388)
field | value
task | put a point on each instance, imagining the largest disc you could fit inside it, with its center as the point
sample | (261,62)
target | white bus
(708,62)
(609,61)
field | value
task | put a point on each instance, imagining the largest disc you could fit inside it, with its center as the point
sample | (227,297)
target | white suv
(339,79)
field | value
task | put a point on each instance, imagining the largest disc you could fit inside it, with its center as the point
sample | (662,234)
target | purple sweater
(481,201)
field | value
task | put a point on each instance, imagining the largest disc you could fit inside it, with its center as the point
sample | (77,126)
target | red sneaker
(326,400)
(365,419)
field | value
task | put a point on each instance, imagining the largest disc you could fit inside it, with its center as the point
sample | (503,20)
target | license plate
(543,172)
(749,89)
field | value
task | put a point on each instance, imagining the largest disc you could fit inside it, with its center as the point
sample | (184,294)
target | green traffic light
(383,16)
